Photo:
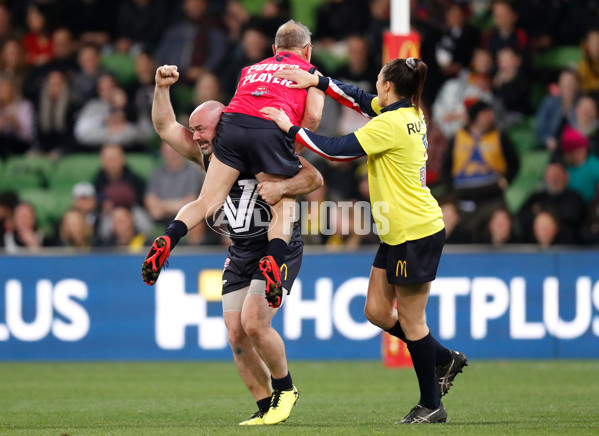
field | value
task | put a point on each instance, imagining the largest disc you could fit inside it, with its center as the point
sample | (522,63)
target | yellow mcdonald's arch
(408,49)
(284,267)
(401,269)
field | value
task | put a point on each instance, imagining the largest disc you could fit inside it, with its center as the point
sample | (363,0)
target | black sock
(264,404)
(443,354)
(277,248)
(282,384)
(423,357)
(175,230)
(397,331)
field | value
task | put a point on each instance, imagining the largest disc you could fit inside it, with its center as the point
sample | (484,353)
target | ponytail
(408,77)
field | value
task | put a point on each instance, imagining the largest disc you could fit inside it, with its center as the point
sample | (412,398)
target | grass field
(336,398)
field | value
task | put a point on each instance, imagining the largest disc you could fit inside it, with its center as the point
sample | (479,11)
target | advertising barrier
(488,305)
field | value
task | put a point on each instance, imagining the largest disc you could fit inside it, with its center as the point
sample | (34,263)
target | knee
(236,336)
(253,328)
(377,317)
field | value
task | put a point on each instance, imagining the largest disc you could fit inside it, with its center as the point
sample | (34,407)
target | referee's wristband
(323,83)
(293,132)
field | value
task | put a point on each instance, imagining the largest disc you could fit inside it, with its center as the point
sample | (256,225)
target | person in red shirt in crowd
(37,42)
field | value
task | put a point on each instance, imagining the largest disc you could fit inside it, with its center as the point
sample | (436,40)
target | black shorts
(412,262)
(253,145)
(240,269)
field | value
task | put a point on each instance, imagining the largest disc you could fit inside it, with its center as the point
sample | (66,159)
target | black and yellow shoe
(256,419)
(280,406)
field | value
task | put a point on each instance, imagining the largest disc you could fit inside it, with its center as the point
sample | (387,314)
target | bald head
(203,121)
(292,35)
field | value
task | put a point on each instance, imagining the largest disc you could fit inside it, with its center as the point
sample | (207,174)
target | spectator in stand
(116,185)
(124,232)
(74,231)
(12,62)
(510,86)
(588,68)
(505,32)
(455,232)
(206,88)
(557,109)
(449,110)
(55,116)
(235,19)
(171,186)
(63,60)
(16,120)
(437,147)
(84,83)
(37,41)
(6,29)
(546,229)
(478,166)
(194,44)
(377,25)
(275,13)
(142,22)
(86,202)
(141,92)
(64,49)
(456,46)
(252,48)
(8,202)
(24,233)
(359,72)
(109,118)
(556,196)
(500,229)
(115,170)
(587,122)
(583,168)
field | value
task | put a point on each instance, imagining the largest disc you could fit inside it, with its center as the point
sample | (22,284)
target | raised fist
(166,75)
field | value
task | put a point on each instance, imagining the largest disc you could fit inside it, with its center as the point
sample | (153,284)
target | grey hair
(292,35)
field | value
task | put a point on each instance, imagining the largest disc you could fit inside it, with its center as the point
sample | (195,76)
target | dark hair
(407,78)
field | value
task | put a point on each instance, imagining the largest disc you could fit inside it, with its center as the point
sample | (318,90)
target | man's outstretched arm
(165,121)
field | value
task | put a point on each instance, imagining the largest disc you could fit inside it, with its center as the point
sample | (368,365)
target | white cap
(83,189)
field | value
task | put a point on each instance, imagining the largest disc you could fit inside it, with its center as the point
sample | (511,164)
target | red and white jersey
(259,88)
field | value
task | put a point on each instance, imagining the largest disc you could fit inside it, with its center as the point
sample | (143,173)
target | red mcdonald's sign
(400,46)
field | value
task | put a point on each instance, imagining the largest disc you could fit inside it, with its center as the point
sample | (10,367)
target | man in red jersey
(246,142)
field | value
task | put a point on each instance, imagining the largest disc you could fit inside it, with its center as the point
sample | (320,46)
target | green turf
(336,398)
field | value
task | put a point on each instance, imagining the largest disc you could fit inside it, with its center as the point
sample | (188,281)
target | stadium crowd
(511,105)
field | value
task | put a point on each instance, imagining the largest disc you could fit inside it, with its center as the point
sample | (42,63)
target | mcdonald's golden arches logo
(401,270)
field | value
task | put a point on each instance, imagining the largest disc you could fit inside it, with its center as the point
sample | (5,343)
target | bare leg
(411,305)
(380,300)
(256,317)
(251,367)
(281,224)
(219,181)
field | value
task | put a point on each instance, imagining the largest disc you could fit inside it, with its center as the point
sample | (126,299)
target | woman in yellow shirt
(408,218)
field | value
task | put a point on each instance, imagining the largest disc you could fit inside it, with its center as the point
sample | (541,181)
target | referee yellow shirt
(402,205)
